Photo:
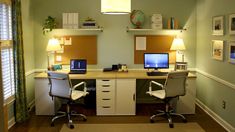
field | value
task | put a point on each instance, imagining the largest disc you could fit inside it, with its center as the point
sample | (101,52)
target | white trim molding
(231,85)
(216,117)
(29,72)
(34,71)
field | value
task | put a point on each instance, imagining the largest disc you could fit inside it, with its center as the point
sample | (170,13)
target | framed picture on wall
(180,66)
(217,49)
(232,24)
(232,52)
(218,25)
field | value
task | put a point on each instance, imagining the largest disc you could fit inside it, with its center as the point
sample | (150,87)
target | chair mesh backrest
(60,84)
(176,83)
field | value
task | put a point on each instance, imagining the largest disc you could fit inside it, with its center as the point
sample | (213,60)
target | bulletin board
(154,44)
(81,47)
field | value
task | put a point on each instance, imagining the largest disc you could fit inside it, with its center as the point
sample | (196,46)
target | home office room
(156,65)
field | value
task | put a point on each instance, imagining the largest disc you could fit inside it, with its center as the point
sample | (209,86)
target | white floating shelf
(156,31)
(81,29)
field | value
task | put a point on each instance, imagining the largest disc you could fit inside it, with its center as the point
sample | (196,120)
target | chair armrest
(156,83)
(57,78)
(150,86)
(79,84)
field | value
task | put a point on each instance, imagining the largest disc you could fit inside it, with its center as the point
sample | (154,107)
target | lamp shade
(177,44)
(115,6)
(53,45)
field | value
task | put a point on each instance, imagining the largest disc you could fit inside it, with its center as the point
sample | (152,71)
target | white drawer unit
(105,96)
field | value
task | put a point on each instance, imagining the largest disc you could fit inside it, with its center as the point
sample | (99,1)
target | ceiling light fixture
(115,6)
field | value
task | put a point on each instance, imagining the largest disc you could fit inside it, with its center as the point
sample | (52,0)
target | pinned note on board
(68,41)
(140,43)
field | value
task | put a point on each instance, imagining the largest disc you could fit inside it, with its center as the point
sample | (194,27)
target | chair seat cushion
(78,94)
(158,93)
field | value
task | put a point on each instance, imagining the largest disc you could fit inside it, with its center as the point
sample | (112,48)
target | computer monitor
(156,60)
(78,66)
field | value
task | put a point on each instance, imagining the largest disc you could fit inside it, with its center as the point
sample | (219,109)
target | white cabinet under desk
(115,96)
(125,96)
(44,105)
(186,103)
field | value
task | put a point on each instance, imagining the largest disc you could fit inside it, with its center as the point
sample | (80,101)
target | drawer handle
(105,85)
(105,91)
(106,107)
(105,99)
(105,80)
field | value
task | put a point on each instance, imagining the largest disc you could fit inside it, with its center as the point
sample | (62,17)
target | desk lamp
(115,6)
(178,45)
(52,46)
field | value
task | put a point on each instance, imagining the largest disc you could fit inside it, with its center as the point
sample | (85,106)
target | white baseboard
(11,122)
(216,117)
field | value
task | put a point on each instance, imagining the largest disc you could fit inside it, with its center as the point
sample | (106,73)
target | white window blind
(6,51)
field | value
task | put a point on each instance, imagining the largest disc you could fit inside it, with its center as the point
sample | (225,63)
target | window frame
(7,43)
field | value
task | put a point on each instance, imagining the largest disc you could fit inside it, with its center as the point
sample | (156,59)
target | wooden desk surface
(111,75)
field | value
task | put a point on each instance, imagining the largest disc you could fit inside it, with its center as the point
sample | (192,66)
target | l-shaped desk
(115,92)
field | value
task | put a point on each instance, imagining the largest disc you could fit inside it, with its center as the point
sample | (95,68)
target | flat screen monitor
(78,65)
(156,60)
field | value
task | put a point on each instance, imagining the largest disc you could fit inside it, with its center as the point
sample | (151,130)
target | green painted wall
(115,45)
(28,37)
(209,91)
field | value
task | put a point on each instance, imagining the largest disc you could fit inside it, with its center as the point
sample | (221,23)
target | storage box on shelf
(156,21)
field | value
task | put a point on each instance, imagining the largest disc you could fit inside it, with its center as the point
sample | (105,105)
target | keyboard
(77,72)
(157,73)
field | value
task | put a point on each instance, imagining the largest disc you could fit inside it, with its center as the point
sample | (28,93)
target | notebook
(78,66)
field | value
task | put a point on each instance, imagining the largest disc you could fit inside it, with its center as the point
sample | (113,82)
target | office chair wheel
(52,124)
(84,119)
(185,121)
(171,125)
(151,121)
(71,126)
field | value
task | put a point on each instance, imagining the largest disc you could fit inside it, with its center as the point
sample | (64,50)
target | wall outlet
(223,104)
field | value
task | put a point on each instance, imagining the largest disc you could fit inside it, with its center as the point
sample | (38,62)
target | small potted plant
(49,24)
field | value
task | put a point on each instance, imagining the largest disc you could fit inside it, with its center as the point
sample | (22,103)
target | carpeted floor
(137,127)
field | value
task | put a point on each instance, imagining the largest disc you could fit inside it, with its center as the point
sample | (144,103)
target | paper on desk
(140,43)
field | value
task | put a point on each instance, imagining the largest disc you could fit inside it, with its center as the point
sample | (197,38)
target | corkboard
(155,44)
(83,47)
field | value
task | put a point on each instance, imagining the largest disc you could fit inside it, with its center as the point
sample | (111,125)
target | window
(6,52)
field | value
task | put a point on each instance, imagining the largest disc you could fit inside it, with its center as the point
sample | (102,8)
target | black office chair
(174,87)
(60,86)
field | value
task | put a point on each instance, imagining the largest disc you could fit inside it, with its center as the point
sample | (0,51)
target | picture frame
(218,49)
(218,25)
(180,66)
(232,24)
(232,52)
